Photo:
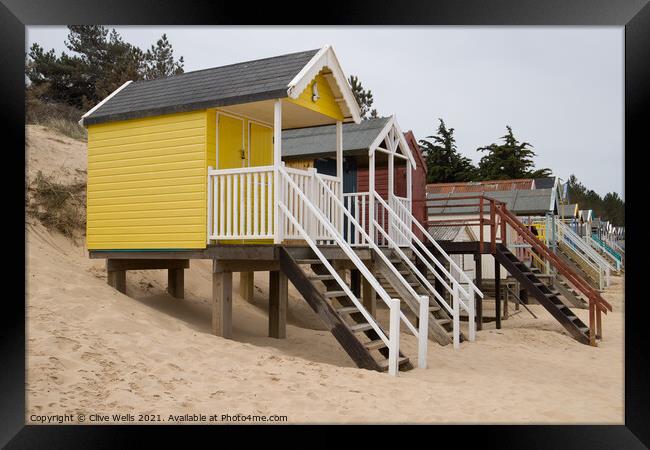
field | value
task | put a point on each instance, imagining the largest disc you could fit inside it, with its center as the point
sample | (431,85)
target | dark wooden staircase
(441,327)
(546,295)
(344,320)
(570,294)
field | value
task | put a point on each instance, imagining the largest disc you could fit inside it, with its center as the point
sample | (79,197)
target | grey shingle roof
(320,141)
(249,81)
(521,202)
(544,182)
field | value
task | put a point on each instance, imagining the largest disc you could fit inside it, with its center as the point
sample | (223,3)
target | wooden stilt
(599,324)
(368,297)
(479,283)
(117,279)
(247,285)
(222,303)
(278,299)
(497,293)
(176,282)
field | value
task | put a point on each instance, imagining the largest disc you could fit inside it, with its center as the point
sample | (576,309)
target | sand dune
(91,349)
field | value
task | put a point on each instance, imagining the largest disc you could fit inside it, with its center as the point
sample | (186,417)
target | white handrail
(452,263)
(423,325)
(393,304)
(616,265)
(597,258)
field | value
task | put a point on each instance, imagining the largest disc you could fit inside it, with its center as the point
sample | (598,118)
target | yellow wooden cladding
(326,103)
(147,178)
(147,182)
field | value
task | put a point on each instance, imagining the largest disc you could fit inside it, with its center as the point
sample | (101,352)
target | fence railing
(240,203)
(461,297)
(291,190)
(589,256)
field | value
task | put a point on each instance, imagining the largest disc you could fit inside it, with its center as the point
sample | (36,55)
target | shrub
(58,206)
(58,116)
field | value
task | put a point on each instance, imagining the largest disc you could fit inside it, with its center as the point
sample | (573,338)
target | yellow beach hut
(190,167)
(152,143)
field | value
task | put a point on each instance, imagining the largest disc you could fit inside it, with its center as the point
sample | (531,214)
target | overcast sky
(560,88)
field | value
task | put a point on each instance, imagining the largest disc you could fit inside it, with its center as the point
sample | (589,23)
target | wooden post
(117,279)
(368,297)
(221,302)
(479,282)
(247,285)
(176,282)
(505,302)
(497,293)
(278,299)
(355,282)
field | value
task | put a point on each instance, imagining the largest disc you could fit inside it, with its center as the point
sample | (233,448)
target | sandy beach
(92,350)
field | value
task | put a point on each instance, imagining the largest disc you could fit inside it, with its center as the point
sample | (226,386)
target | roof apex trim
(383,134)
(325,57)
(98,105)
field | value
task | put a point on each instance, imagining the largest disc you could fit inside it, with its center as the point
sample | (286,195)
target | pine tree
(444,163)
(160,60)
(363,97)
(510,160)
(99,62)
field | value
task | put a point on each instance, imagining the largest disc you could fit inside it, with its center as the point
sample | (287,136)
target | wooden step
(309,261)
(434,308)
(374,345)
(321,277)
(443,321)
(384,362)
(333,294)
(359,327)
(347,310)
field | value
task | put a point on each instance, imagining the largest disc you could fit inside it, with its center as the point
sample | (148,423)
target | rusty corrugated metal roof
(481,186)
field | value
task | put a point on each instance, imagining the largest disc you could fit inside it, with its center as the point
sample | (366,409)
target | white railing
(240,203)
(358,205)
(327,205)
(606,253)
(422,309)
(396,233)
(589,255)
(291,188)
(461,297)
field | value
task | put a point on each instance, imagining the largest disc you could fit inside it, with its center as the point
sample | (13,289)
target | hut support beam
(221,303)
(247,285)
(176,282)
(117,279)
(497,293)
(278,302)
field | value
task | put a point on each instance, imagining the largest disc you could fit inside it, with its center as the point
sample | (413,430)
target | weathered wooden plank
(176,282)
(368,297)
(222,304)
(247,285)
(327,314)
(146,264)
(278,303)
(117,279)
(237,265)
(497,292)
